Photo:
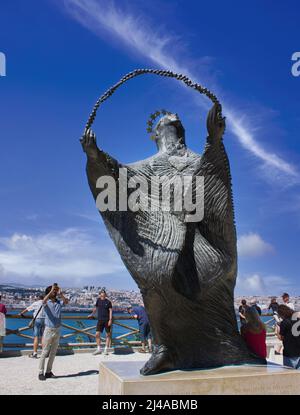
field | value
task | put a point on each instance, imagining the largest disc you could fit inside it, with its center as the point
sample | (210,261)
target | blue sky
(61,55)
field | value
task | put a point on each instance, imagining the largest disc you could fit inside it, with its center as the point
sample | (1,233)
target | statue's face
(170,133)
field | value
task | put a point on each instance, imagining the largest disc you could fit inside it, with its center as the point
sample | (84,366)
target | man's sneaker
(106,352)
(42,376)
(33,355)
(49,375)
(96,352)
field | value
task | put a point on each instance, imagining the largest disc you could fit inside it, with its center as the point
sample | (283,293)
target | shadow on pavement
(123,350)
(75,375)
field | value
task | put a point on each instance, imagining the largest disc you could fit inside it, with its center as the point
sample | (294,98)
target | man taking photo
(52,308)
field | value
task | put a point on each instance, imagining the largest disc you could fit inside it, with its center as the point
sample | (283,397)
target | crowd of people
(46,324)
(287,329)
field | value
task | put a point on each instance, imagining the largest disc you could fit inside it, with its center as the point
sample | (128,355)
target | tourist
(38,323)
(289,334)
(286,299)
(104,313)
(253,304)
(254,333)
(3,312)
(140,314)
(273,305)
(287,302)
(242,311)
(52,307)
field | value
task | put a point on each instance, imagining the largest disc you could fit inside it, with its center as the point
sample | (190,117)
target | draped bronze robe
(186,271)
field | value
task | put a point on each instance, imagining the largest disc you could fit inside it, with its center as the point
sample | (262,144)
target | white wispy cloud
(70,256)
(91,217)
(247,140)
(257,284)
(138,34)
(252,245)
(251,285)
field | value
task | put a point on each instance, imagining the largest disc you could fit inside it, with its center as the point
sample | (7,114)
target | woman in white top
(287,302)
(39,323)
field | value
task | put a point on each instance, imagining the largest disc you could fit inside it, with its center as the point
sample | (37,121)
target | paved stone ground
(77,374)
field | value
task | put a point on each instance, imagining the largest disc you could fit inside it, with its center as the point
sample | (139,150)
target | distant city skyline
(84,298)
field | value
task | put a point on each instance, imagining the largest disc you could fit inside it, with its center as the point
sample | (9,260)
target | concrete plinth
(123,378)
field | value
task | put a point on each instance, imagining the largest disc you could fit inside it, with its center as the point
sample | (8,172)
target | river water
(79,324)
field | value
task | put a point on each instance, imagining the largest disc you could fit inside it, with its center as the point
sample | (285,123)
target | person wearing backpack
(38,323)
(289,333)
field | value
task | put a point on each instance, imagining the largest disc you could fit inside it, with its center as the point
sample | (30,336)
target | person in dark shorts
(140,314)
(104,313)
(289,333)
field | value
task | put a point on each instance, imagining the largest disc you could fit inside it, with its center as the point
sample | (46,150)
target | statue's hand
(89,144)
(215,124)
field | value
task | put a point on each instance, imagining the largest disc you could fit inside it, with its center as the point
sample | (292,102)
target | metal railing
(80,332)
(270,324)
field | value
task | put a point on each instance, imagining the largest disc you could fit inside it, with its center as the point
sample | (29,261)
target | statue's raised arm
(99,163)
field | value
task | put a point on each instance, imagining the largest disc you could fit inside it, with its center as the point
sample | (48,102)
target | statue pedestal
(123,378)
